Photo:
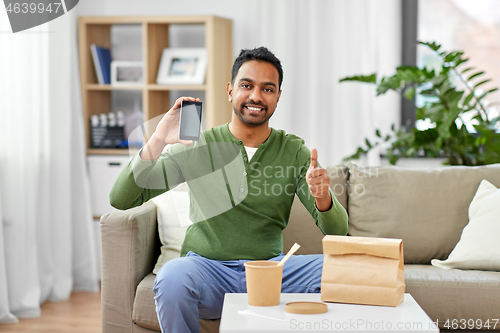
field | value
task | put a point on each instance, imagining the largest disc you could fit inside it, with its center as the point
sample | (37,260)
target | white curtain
(46,240)
(319,42)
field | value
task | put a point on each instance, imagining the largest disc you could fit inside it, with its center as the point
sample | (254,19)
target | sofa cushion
(144,310)
(301,227)
(338,182)
(454,294)
(427,208)
(478,247)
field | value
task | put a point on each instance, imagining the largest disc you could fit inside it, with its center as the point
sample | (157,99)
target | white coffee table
(407,317)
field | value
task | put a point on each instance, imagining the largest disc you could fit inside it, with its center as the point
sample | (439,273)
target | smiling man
(274,167)
(254,102)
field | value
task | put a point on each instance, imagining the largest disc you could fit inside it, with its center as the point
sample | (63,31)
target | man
(275,166)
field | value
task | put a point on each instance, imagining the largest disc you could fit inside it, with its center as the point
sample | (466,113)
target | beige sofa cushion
(426,208)
(144,311)
(301,227)
(455,294)
(338,182)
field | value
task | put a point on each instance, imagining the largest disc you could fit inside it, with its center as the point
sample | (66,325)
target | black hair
(259,54)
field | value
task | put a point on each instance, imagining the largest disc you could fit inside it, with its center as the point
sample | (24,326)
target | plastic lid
(306,307)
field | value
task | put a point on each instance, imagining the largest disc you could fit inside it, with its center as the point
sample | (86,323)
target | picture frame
(126,73)
(182,66)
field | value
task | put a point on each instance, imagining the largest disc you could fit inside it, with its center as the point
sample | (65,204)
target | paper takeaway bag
(363,270)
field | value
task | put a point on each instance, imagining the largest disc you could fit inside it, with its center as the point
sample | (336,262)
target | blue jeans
(193,287)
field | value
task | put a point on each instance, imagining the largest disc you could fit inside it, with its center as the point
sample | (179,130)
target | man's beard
(251,120)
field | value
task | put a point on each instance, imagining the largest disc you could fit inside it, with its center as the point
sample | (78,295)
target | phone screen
(190,120)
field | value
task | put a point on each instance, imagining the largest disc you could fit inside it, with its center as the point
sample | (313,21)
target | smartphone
(190,123)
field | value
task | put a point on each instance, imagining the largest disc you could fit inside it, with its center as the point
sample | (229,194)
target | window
(464,25)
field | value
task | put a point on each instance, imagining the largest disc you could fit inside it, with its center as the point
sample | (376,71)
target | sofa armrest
(128,255)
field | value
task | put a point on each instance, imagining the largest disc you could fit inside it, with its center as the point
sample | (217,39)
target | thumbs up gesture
(319,182)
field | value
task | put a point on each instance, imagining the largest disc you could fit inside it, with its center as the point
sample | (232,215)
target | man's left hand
(319,183)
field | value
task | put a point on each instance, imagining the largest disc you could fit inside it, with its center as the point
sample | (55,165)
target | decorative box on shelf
(107,130)
(108,137)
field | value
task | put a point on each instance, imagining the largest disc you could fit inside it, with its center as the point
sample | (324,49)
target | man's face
(255,93)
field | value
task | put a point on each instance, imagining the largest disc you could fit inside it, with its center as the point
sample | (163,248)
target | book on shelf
(102,63)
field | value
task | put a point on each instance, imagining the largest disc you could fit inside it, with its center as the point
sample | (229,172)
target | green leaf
(468,98)
(377,132)
(428,92)
(411,152)
(444,128)
(434,112)
(409,93)
(449,92)
(453,58)
(433,46)
(468,69)
(475,75)
(368,144)
(457,96)
(486,93)
(463,60)
(426,137)
(390,82)
(427,73)
(422,111)
(478,117)
(361,78)
(439,142)
(356,156)
(482,82)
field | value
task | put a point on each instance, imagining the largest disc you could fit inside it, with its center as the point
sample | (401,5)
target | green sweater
(240,207)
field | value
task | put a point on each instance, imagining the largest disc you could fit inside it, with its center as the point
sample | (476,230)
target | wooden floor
(80,314)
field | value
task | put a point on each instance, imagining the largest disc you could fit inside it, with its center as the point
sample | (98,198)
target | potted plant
(445,106)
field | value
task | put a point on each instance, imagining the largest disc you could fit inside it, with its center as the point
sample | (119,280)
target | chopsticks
(292,250)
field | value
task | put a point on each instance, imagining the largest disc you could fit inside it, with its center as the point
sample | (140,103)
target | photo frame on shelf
(182,66)
(126,73)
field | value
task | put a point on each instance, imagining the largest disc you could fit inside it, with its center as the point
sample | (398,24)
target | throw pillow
(173,221)
(478,247)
